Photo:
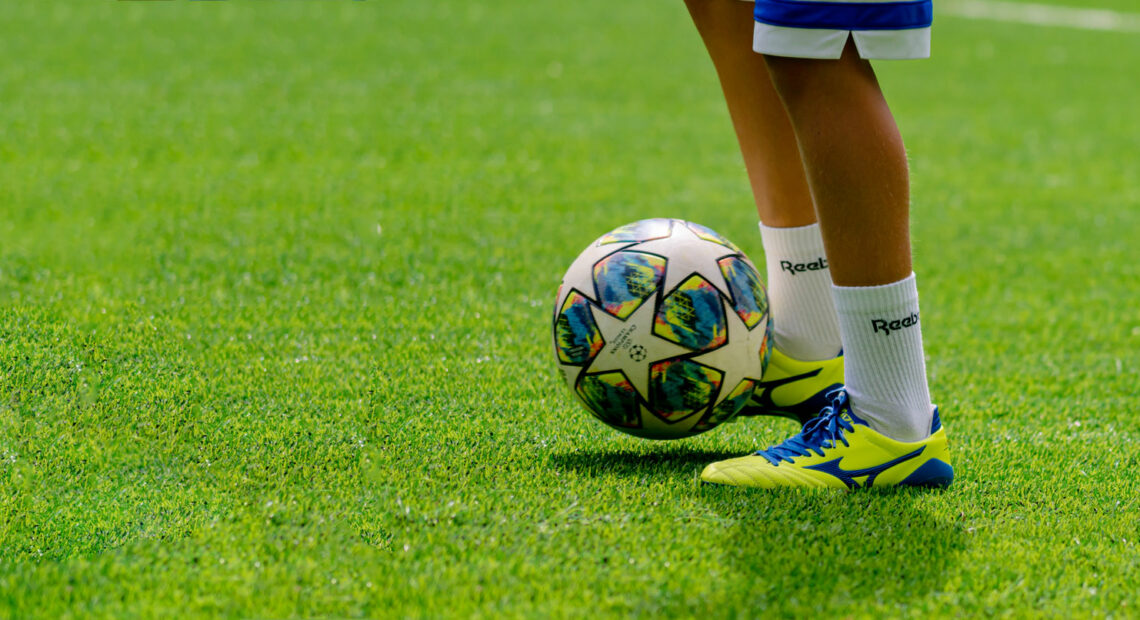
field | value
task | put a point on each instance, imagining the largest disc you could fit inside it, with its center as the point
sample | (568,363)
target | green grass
(275,282)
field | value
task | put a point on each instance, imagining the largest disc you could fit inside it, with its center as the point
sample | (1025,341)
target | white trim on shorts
(823,43)
(818,43)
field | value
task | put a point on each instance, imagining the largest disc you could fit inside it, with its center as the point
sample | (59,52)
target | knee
(804,83)
(800,83)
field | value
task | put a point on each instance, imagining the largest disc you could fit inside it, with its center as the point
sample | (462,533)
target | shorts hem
(825,43)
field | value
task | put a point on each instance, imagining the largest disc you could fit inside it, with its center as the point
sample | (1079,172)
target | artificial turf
(275,289)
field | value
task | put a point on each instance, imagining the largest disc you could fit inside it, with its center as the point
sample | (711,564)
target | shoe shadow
(870,552)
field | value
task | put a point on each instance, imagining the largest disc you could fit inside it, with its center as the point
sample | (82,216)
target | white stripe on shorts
(824,43)
(817,43)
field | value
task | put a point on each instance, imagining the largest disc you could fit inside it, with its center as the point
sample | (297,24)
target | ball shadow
(796,551)
(670,462)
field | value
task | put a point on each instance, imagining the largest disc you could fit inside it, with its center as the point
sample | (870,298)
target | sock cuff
(876,299)
(798,241)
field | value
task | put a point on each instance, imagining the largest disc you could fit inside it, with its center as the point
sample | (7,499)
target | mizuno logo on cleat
(848,476)
(763,393)
(818,264)
(885,326)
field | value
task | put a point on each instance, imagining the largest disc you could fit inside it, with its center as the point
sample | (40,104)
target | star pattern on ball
(622,351)
(689,254)
(580,275)
(733,359)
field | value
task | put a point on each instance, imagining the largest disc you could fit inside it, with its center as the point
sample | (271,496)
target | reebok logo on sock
(885,326)
(818,264)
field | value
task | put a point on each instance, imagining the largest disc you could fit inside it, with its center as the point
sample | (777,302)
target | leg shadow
(793,553)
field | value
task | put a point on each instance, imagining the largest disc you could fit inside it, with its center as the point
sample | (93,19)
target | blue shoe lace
(819,433)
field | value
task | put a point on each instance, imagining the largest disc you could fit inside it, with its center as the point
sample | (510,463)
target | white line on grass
(1042,15)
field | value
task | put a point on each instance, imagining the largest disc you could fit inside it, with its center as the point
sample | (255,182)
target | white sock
(884,364)
(799,293)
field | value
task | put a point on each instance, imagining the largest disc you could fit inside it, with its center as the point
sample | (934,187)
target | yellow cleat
(794,389)
(838,450)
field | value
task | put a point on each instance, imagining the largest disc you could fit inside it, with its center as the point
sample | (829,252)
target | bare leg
(762,127)
(856,167)
(855,162)
(806,327)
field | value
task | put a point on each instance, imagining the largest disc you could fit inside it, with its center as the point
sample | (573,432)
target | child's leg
(806,327)
(767,141)
(855,164)
(857,170)
(882,430)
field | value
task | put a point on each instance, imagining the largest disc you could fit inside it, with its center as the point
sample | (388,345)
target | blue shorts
(820,28)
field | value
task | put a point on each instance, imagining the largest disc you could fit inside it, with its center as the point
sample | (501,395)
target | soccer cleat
(838,450)
(794,389)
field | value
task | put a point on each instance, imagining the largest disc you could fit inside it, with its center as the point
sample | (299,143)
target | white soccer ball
(661,328)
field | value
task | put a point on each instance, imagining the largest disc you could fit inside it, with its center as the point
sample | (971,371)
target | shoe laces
(821,432)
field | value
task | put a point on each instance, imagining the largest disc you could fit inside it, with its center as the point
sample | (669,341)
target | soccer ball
(661,328)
